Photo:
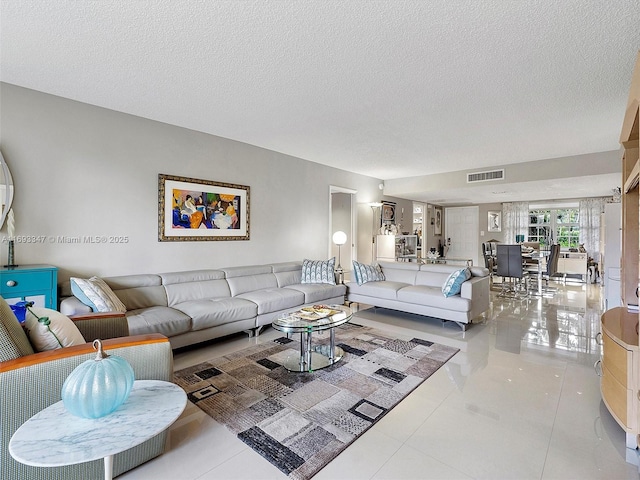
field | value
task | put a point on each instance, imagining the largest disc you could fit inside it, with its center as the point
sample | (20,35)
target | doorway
(342,217)
(461,232)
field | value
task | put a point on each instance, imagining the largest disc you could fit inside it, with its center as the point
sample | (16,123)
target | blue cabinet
(34,283)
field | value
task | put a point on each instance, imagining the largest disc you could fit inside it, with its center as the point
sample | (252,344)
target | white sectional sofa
(414,288)
(195,306)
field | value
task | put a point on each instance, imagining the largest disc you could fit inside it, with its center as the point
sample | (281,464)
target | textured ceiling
(389,89)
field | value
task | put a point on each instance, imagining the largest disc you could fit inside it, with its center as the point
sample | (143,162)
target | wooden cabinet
(630,176)
(620,383)
(619,377)
(36,283)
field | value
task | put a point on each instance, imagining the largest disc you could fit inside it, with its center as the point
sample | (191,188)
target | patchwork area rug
(301,421)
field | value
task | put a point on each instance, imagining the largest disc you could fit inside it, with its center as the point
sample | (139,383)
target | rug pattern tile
(301,421)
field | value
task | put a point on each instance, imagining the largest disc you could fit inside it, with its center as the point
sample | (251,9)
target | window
(549,226)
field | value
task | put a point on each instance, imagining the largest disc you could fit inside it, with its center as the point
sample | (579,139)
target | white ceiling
(385,88)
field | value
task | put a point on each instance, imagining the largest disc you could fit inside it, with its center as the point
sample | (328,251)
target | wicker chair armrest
(84,349)
(102,325)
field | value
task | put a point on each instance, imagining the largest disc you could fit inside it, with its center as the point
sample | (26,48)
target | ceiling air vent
(485,176)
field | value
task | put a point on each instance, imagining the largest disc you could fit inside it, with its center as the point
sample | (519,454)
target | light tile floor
(520,400)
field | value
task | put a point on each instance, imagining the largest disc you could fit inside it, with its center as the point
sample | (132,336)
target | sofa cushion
(477,271)
(287,278)
(384,289)
(248,270)
(138,291)
(143,297)
(319,271)
(248,283)
(179,293)
(95,293)
(274,299)
(318,292)
(286,267)
(133,281)
(367,273)
(433,279)
(404,272)
(432,297)
(217,311)
(191,276)
(165,320)
(453,285)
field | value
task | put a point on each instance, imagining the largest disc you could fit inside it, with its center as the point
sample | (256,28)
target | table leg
(303,356)
(308,353)
(540,276)
(108,467)
(332,344)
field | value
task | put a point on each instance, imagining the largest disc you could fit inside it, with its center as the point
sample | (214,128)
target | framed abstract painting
(190,209)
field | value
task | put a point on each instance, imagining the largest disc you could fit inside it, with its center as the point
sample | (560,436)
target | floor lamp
(339,238)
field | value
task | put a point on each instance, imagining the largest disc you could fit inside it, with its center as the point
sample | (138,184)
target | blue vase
(97,387)
(20,310)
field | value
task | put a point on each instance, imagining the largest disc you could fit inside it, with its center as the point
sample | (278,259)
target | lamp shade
(339,238)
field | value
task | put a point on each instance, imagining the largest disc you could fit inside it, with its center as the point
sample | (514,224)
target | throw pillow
(453,285)
(48,329)
(367,273)
(319,271)
(95,293)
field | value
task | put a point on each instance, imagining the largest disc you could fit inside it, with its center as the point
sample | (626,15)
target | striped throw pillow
(367,273)
(453,285)
(319,271)
(95,293)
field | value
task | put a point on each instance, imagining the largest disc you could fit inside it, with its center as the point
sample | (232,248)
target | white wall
(81,170)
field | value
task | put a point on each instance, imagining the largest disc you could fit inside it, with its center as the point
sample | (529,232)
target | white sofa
(414,288)
(195,306)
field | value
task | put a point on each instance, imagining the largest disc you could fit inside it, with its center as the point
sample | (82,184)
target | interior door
(461,232)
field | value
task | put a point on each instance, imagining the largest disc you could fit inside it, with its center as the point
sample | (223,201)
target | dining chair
(509,258)
(551,268)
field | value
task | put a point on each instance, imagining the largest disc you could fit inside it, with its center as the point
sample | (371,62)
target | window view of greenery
(555,226)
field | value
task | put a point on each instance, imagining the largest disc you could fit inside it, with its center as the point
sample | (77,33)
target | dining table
(537,257)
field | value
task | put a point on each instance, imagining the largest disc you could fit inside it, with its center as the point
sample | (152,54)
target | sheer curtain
(590,210)
(515,220)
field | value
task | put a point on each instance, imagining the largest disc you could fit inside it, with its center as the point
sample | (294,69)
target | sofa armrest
(102,325)
(472,287)
(70,306)
(33,382)
(477,290)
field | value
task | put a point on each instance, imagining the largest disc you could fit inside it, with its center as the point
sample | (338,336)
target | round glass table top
(312,318)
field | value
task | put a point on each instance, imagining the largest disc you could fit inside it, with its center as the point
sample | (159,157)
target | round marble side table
(54,437)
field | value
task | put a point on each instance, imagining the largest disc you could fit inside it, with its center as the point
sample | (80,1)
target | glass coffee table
(306,321)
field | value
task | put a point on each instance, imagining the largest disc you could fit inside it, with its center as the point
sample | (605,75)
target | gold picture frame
(190,209)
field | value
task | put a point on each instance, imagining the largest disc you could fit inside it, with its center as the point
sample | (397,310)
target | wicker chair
(30,382)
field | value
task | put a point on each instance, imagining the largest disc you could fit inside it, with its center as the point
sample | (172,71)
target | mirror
(6,190)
